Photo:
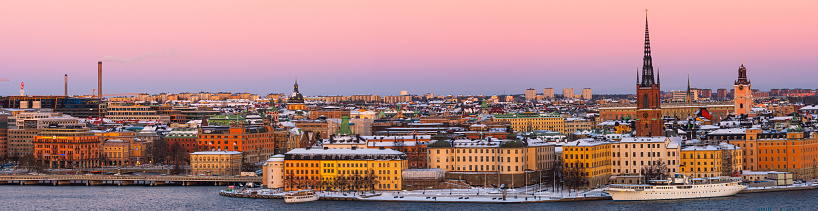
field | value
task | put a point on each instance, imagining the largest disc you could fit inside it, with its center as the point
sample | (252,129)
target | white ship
(679,187)
(300,196)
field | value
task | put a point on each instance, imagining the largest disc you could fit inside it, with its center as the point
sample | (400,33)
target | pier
(90,180)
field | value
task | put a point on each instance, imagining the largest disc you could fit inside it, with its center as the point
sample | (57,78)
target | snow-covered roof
(586,142)
(314,151)
(216,153)
(729,131)
(653,139)
(371,138)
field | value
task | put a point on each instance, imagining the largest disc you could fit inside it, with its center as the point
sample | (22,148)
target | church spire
(647,60)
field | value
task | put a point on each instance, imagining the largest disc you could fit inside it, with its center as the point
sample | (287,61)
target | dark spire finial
(647,60)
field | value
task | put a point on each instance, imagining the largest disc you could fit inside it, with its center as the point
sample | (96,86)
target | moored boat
(679,187)
(300,196)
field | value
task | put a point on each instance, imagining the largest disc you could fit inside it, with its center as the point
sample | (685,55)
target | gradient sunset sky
(382,47)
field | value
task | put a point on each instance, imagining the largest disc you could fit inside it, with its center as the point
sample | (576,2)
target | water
(15,197)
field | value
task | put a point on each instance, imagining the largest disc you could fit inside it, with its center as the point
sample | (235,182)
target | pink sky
(382,47)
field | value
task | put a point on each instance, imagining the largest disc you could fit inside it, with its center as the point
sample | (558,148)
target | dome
(439,144)
(276,158)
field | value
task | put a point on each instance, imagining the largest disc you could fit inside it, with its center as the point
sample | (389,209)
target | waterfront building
(342,169)
(328,113)
(593,157)
(794,151)
(273,169)
(743,97)
(702,161)
(533,121)
(63,147)
(5,145)
(226,163)
(721,94)
(256,142)
(20,141)
(493,162)
(631,154)
(121,148)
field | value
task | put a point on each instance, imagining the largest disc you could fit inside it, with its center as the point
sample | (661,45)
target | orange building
(785,152)
(67,147)
(413,146)
(255,142)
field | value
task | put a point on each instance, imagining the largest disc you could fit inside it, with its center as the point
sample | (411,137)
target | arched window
(741,105)
(645,101)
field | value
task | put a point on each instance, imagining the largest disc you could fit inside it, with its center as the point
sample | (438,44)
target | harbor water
(207,198)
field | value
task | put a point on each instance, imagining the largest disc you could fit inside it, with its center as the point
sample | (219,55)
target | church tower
(648,107)
(296,100)
(744,94)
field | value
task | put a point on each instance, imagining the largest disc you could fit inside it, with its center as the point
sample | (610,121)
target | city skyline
(361,47)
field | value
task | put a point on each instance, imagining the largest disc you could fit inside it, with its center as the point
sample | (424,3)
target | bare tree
(655,170)
(574,175)
(341,182)
(370,180)
(158,151)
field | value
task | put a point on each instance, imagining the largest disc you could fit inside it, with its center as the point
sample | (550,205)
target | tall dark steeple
(648,96)
(647,60)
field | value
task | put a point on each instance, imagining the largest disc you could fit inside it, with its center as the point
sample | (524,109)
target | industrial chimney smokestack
(99,80)
(66,85)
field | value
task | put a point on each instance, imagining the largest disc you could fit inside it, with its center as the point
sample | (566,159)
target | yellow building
(491,161)
(533,121)
(342,169)
(577,124)
(592,156)
(215,163)
(630,154)
(710,160)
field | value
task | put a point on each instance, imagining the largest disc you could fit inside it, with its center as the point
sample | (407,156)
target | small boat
(300,196)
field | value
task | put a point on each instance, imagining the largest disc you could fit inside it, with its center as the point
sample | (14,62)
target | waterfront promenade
(124,180)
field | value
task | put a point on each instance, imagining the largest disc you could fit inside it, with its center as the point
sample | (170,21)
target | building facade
(342,169)
(493,162)
(227,163)
(67,148)
(533,121)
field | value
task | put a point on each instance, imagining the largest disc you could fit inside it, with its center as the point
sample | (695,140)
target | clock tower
(744,94)
(648,103)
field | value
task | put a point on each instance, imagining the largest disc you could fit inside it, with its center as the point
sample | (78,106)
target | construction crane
(4,79)
(94,94)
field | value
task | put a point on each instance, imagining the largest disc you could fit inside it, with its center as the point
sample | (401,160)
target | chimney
(99,80)
(66,85)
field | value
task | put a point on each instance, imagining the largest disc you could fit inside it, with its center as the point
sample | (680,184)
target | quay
(90,180)
(390,196)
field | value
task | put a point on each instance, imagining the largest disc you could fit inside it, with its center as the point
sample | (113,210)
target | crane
(94,94)
(4,79)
